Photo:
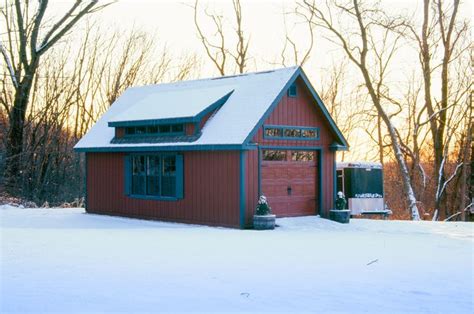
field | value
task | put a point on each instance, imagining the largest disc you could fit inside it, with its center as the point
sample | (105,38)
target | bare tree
(28,39)
(364,18)
(75,83)
(298,56)
(336,94)
(217,49)
(441,27)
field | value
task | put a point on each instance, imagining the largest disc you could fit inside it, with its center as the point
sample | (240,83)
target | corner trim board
(242,190)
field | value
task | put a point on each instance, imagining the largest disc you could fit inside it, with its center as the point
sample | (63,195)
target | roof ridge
(295,67)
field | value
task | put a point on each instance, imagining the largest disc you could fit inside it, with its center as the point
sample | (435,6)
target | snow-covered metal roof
(251,97)
(172,104)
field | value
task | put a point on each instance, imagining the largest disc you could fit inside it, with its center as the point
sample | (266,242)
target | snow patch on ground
(65,260)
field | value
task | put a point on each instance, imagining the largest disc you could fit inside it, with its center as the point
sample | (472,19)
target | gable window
(283,132)
(155,130)
(154,176)
(292,91)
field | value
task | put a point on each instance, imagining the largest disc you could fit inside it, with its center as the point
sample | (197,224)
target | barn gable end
(300,112)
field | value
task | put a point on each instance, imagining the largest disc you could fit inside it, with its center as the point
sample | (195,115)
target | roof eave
(338,147)
(197,147)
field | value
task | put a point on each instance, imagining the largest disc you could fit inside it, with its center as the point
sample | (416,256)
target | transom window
(274,155)
(280,132)
(157,130)
(156,175)
(288,155)
(302,155)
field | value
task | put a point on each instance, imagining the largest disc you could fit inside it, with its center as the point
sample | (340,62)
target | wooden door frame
(319,163)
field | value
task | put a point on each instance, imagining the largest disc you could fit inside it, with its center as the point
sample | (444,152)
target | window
(309,133)
(274,155)
(302,155)
(292,132)
(280,132)
(155,130)
(138,175)
(155,176)
(166,128)
(292,91)
(273,132)
(129,131)
(177,128)
(168,176)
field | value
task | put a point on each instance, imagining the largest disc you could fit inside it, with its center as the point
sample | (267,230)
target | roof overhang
(156,148)
(338,147)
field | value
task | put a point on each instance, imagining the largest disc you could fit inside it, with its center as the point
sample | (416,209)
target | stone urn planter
(340,215)
(263,218)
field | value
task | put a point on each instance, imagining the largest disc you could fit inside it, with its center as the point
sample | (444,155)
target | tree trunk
(13,167)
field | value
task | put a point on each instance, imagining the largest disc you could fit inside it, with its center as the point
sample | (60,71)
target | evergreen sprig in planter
(340,214)
(263,218)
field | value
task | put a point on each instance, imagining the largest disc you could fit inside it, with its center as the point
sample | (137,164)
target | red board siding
(189,128)
(303,111)
(119,132)
(211,190)
(205,118)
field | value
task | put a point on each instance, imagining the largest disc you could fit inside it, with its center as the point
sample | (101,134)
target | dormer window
(155,130)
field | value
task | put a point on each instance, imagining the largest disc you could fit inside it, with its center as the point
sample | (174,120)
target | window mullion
(160,168)
(146,173)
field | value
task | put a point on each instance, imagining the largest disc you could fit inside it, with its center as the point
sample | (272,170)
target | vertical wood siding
(189,128)
(211,189)
(119,132)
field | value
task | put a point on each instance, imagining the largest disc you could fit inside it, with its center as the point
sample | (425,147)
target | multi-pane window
(289,155)
(292,132)
(160,130)
(156,175)
(279,132)
(274,132)
(274,155)
(301,155)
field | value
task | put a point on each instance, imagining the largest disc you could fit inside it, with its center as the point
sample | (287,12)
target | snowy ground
(63,260)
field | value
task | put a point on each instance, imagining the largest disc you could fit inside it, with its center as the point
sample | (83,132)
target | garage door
(289,181)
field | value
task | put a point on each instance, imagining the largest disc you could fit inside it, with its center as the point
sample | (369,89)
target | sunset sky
(172,24)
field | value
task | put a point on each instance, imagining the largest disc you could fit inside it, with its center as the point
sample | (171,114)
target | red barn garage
(203,151)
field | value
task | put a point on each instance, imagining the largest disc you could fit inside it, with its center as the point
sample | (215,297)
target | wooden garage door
(289,181)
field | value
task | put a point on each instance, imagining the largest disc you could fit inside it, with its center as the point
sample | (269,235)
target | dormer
(169,116)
